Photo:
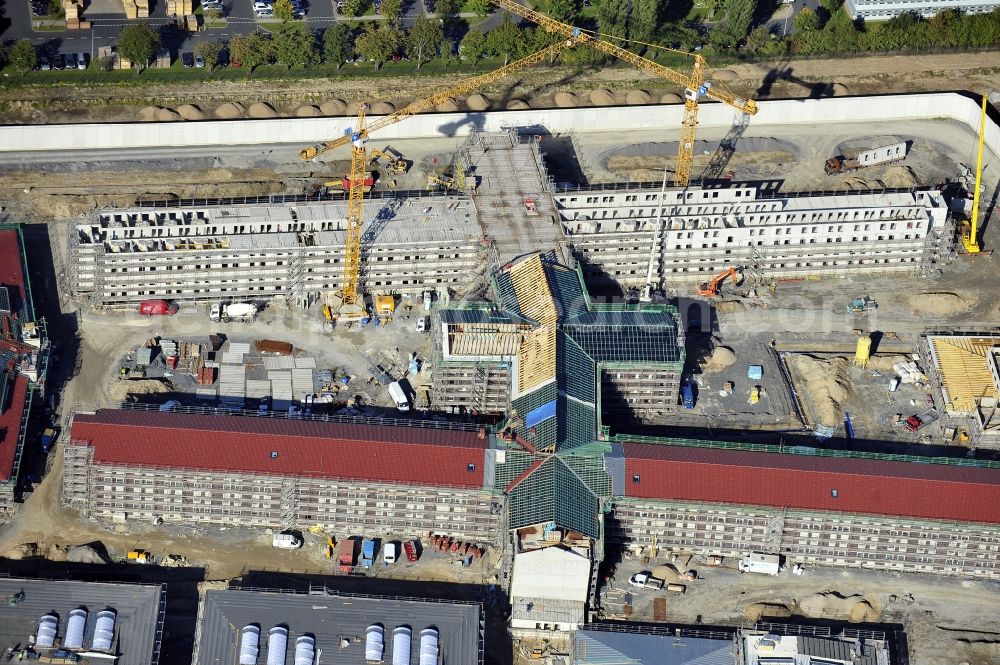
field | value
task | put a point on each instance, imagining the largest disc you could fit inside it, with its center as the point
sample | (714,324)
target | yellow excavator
(390,158)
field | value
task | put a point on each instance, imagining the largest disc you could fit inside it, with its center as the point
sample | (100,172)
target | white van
(399,397)
(423,324)
(286,541)
(389,553)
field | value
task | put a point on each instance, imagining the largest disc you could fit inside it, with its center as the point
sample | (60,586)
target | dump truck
(886,154)
(157,308)
(345,555)
(367,553)
(758,562)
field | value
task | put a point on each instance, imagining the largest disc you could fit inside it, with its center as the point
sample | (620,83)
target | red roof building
(11,274)
(238,444)
(11,415)
(841,484)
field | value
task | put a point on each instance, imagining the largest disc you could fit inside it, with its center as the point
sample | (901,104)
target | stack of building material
(909,372)
(281,389)
(278,362)
(232,385)
(302,383)
(205,376)
(258,388)
(136,8)
(180,7)
(192,23)
(72,9)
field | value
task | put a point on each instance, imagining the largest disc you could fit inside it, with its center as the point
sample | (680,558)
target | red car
(410,548)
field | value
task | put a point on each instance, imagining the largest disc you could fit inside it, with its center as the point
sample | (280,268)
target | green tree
(283,9)
(564,10)
(252,50)
(425,39)
(806,21)
(734,23)
(209,52)
(354,7)
(480,8)
(508,40)
(295,46)
(612,17)
(646,19)
(22,56)
(473,45)
(831,6)
(213,14)
(138,43)
(338,44)
(376,44)
(392,10)
(758,39)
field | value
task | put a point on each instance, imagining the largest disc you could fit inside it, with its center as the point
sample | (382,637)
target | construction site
(745,373)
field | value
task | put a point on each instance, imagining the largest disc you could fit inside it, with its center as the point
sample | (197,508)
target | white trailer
(758,562)
(886,154)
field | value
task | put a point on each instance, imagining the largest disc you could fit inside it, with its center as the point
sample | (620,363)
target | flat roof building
(338,626)
(95,620)
(549,589)
(883,10)
(630,644)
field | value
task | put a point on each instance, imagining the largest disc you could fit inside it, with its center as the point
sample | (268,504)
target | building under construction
(965,373)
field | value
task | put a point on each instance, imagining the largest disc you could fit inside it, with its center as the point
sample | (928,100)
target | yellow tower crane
(970,234)
(695,85)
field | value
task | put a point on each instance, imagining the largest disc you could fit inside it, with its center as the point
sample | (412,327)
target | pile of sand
(260,110)
(122,390)
(602,97)
(884,363)
(899,176)
(333,107)
(477,102)
(839,90)
(824,384)
(229,111)
(567,100)
(638,97)
(725,75)
(383,108)
(23,551)
(85,554)
(722,357)
(671,98)
(757,611)
(667,573)
(190,112)
(308,111)
(832,605)
(148,113)
(517,105)
(448,106)
(167,115)
(940,303)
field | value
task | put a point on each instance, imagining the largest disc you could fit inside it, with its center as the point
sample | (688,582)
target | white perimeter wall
(304,131)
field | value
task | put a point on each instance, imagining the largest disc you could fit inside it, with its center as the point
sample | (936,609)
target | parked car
(212,4)
(265,13)
(57,61)
(390,552)
(423,324)
(199,61)
(645,580)
(187,58)
(411,551)
(44,64)
(257,6)
(81,60)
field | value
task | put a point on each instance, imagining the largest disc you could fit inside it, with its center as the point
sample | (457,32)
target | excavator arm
(421,105)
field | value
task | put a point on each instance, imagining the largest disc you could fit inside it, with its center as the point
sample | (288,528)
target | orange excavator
(711,289)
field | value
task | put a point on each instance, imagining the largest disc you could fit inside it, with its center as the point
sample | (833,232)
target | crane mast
(970,240)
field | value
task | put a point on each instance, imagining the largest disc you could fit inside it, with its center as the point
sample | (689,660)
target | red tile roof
(910,489)
(10,426)
(409,455)
(10,265)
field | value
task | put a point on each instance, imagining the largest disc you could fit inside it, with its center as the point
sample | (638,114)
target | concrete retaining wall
(33,138)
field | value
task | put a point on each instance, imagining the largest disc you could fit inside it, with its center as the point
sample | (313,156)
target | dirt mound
(308,111)
(477,102)
(667,573)
(637,97)
(447,106)
(566,100)
(122,390)
(167,115)
(229,111)
(517,105)
(23,551)
(190,112)
(940,303)
(671,98)
(602,97)
(825,384)
(333,107)
(260,110)
(722,357)
(725,75)
(832,605)
(884,363)
(839,90)
(85,554)
(57,553)
(899,176)
(148,113)
(757,611)
(383,108)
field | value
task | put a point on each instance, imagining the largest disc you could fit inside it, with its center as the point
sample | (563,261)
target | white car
(216,313)
(645,580)
(423,324)
(390,553)
(265,13)
(258,6)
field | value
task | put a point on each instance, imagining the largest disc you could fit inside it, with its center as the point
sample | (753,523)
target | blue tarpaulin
(544,412)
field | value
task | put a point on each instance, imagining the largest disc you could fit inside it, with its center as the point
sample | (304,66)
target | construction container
(273,346)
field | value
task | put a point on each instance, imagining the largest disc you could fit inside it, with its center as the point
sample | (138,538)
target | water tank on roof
(48,626)
(74,629)
(104,632)
(429,646)
(374,643)
(305,650)
(277,643)
(401,645)
(249,644)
